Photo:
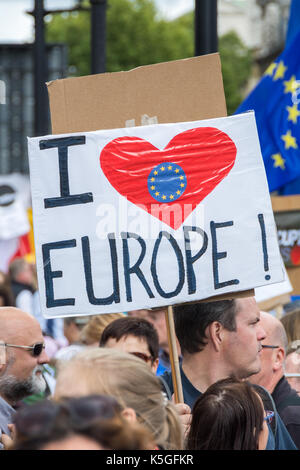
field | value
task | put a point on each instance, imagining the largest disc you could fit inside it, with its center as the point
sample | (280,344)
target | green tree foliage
(136,35)
(236,60)
(236,69)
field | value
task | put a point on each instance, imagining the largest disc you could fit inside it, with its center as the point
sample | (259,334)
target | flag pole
(174,360)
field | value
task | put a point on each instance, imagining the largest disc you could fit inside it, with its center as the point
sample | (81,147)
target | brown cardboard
(274,302)
(285,203)
(177,91)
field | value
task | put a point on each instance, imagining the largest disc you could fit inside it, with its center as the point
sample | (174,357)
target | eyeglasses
(269,416)
(36,349)
(142,356)
(269,346)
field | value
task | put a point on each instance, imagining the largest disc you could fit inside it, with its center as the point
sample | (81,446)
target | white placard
(271,291)
(102,245)
(14,201)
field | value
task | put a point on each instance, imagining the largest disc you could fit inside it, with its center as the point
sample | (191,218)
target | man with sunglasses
(271,375)
(22,355)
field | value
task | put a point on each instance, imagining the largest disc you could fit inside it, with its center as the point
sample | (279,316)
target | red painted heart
(169,183)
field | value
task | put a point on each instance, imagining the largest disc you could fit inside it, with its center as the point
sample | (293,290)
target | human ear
(278,359)
(215,333)
(154,365)
(129,414)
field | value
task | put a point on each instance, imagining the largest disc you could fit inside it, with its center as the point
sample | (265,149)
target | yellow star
(152,179)
(182,185)
(171,196)
(271,69)
(157,193)
(152,187)
(178,192)
(181,177)
(155,172)
(177,170)
(289,140)
(293,113)
(169,167)
(162,168)
(163,196)
(281,68)
(278,161)
(291,85)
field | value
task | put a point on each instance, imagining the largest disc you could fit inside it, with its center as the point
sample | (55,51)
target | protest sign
(287,218)
(177,91)
(288,228)
(14,223)
(14,200)
(151,216)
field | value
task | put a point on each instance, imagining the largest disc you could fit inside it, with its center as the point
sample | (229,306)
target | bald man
(292,366)
(271,375)
(22,355)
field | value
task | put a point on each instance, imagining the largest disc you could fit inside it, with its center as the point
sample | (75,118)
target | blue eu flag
(293,28)
(276,102)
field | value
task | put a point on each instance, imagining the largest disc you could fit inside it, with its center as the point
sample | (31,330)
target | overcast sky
(17,26)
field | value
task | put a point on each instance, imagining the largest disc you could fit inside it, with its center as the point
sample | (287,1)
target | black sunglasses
(36,349)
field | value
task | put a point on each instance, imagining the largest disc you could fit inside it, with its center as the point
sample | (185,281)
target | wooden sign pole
(174,360)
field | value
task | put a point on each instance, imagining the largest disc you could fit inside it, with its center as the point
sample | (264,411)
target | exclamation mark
(264,245)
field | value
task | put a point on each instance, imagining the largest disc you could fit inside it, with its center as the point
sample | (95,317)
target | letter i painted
(264,245)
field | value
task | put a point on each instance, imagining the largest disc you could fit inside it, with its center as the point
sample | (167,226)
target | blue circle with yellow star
(167,182)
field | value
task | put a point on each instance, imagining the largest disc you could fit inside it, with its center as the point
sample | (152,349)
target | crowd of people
(104,381)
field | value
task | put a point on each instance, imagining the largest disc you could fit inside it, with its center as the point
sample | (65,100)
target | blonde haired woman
(91,333)
(131,382)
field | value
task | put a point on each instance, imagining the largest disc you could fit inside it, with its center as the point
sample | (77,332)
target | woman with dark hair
(229,416)
(87,423)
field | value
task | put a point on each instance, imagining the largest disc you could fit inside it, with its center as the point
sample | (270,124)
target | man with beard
(22,355)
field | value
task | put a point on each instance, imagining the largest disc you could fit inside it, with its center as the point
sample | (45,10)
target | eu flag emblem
(167,182)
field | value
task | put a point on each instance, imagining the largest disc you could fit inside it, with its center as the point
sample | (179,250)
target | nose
(261,334)
(43,358)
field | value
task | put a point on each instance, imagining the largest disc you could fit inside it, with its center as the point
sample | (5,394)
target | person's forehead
(292,362)
(247,308)
(133,343)
(25,331)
